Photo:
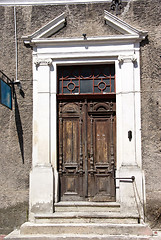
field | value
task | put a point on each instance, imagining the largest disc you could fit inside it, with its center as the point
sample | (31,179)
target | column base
(131,194)
(41,190)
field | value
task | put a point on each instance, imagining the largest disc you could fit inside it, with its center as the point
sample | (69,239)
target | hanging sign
(5,94)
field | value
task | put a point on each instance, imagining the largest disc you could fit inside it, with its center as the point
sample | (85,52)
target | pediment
(50,28)
(121,29)
(121,25)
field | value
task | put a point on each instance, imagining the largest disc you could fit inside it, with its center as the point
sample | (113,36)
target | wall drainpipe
(16,53)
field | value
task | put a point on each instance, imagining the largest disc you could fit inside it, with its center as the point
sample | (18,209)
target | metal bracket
(17,82)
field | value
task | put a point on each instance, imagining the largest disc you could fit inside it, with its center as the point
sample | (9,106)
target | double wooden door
(86,162)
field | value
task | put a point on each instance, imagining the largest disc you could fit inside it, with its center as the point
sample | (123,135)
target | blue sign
(5,94)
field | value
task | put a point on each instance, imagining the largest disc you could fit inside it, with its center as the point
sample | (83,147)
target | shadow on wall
(13,217)
(19,124)
(144,42)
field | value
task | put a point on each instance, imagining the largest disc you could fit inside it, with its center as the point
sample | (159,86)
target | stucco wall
(15,129)
(146,15)
(16,125)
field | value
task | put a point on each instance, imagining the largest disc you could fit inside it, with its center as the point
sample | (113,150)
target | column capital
(43,62)
(127,58)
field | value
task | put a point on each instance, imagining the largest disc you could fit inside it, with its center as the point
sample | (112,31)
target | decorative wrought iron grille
(86,79)
(116,5)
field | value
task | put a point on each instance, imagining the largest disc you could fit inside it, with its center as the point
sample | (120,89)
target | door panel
(70,140)
(87,150)
(101,141)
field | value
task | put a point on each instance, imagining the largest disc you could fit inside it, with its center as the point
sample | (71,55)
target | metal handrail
(136,193)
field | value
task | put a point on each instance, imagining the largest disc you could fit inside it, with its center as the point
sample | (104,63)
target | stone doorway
(87,133)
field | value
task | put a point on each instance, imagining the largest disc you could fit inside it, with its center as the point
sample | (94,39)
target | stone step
(29,228)
(16,236)
(87,207)
(86,217)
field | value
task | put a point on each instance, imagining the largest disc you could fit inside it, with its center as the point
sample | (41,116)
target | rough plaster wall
(16,125)
(88,18)
(146,15)
(89,21)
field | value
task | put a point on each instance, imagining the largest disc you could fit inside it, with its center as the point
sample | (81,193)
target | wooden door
(87,149)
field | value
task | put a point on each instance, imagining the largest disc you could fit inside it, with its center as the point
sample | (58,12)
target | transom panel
(86,79)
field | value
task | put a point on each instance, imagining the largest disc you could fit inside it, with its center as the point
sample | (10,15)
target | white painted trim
(50,2)
(90,40)
(82,51)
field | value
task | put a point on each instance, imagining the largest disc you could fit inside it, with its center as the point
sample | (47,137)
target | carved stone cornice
(125,59)
(43,62)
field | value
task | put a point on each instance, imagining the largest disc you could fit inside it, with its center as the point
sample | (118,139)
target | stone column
(126,104)
(129,134)
(41,177)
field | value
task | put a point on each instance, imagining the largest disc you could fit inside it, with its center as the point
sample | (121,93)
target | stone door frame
(127,68)
(48,53)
